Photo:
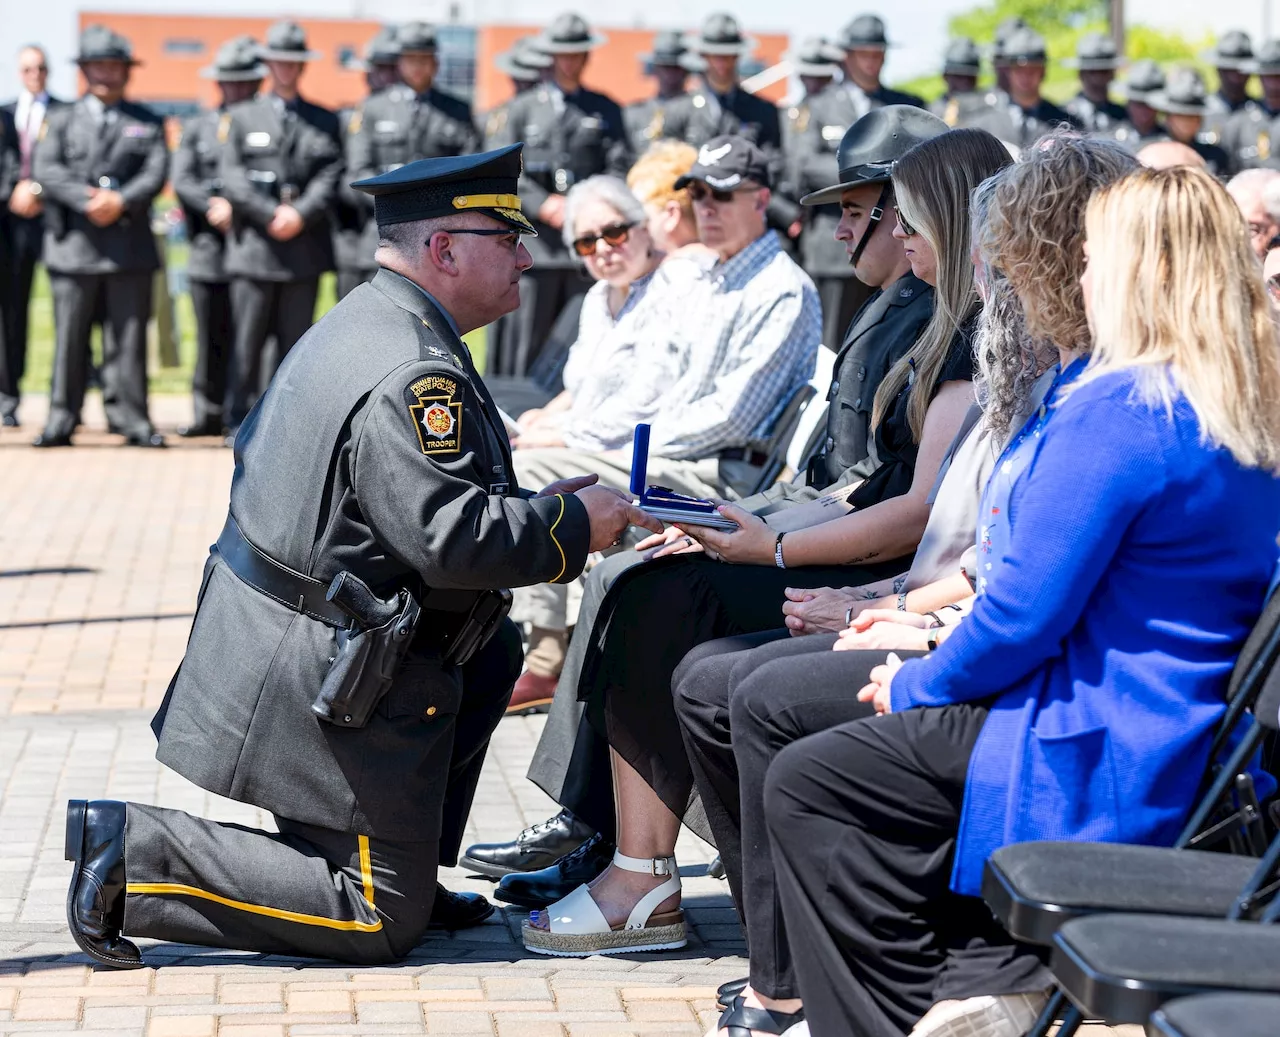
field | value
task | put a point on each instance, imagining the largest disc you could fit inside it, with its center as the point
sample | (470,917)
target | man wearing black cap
(570,133)
(196,180)
(961,67)
(864,44)
(1232,59)
(100,162)
(571,764)
(359,722)
(1141,126)
(409,120)
(1027,116)
(280,166)
(525,67)
(669,64)
(354,238)
(1096,62)
(1247,135)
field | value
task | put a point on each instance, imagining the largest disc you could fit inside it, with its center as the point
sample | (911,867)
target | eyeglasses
(907,229)
(700,192)
(34,68)
(484,232)
(614,235)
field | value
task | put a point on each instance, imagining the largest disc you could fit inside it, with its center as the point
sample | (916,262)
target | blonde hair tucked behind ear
(654,175)
(1176,291)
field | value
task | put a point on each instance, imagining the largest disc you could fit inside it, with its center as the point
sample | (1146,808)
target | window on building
(184,48)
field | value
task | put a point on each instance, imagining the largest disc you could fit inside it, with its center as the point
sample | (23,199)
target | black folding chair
(1035,888)
(1217,1015)
(775,448)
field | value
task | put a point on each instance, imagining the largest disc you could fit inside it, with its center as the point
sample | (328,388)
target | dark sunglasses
(614,235)
(700,192)
(907,229)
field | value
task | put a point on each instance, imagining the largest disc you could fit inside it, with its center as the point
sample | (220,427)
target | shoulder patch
(224,127)
(357,120)
(435,408)
(44,130)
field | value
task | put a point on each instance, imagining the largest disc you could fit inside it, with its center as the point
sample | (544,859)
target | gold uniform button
(431,711)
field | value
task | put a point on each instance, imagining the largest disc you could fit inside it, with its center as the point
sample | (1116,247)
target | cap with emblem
(816,57)
(1144,79)
(1184,94)
(866,32)
(669,51)
(486,183)
(1234,51)
(285,41)
(1025,47)
(568,34)
(416,38)
(872,144)
(1001,39)
(1268,59)
(1096,52)
(726,163)
(98,43)
(236,62)
(384,48)
(721,34)
(961,58)
(522,61)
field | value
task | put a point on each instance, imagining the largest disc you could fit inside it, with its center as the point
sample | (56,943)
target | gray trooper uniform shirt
(196,177)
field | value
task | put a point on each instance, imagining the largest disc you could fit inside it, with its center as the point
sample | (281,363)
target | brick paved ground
(100,556)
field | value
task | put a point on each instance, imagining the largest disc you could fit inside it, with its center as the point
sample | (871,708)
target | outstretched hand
(610,513)
(671,541)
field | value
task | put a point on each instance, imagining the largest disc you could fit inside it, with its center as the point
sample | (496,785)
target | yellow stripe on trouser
(179,890)
(563,563)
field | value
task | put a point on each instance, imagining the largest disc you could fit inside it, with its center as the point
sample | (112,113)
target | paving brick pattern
(100,557)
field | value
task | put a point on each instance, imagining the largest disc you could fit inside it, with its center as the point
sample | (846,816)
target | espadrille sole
(619,941)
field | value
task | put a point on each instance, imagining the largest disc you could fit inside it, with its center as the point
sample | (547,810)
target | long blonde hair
(932,183)
(1176,291)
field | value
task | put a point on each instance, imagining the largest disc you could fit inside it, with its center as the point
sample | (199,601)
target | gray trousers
(124,300)
(264,309)
(211,301)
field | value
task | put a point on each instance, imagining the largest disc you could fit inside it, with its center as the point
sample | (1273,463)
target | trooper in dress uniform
(196,177)
(669,65)
(526,68)
(999,58)
(350,654)
(407,121)
(352,219)
(1142,122)
(1233,60)
(961,67)
(1184,103)
(1026,116)
(1095,62)
(281,159)
(865,44)
(100,162)
(1248,135)
(570,133)
(812,131)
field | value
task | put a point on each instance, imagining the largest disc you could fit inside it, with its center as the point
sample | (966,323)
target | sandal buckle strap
(656,866)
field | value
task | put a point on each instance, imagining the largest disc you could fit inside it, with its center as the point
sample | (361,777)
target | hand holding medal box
(665,504)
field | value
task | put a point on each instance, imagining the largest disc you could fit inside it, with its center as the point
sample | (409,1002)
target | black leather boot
(537,847)
(95,900)
(540,888)
(453,911)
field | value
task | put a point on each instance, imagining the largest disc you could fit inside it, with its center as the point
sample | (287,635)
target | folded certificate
(665,504)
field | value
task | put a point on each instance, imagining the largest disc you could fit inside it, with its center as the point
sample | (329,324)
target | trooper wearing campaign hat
(99,163)
(353,236)
(570,133)
(1248,135)
(961,67)
(1184,103)
(1095,62)
(407,121)
(670,64)
(197,181)
(402,527)
(1027,115)
(281,159)
(999,61)
(865,44)
(1233,59)
(1141,126)
(526,66)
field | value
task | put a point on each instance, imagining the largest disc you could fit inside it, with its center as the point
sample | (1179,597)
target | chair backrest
(813,421)
(784,429)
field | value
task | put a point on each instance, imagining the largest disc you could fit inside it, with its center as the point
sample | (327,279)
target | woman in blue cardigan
(1077,701)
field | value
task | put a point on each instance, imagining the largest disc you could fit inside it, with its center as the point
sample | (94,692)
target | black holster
(482,622)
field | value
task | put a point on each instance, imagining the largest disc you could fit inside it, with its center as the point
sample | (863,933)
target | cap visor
(244,75)
(828,195)
(577,47)
(513,218)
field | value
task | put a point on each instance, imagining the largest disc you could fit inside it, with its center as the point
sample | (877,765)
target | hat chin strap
(877,214)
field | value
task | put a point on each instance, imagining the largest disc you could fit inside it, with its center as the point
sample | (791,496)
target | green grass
(161,379)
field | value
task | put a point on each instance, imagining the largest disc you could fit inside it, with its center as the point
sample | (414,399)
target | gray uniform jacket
(77,151)
(395,127)
(377,450)
(270,157)
(1096,118)
(196,178)
(646,121)
(1247,137)
(566,139)
(1019,126)
(958,110)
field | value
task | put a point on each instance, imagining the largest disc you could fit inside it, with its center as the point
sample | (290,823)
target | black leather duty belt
(299,592)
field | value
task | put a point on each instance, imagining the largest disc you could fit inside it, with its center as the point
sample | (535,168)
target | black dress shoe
(453,911)
(534,848)
(540,888)
(47,439)
(208,427)
(9,421)
(95,899)
(146,439)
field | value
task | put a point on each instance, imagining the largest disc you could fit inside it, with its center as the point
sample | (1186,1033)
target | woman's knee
(786,790)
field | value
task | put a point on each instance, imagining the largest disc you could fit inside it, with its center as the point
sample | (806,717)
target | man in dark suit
(100,163)
(280,166)
(864,44)
(196,178)
(669,64)
(22,225)
(381,441)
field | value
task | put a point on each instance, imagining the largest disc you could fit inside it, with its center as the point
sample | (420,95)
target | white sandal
(578,928)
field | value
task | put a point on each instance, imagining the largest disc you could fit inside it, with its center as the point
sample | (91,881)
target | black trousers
(311,891)
(261,310)
(348,280)
(24,245)
(215,347)
(518,338)
(862,823)
(122,301)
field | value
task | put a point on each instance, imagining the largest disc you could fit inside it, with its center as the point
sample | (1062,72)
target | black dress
(656,612)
